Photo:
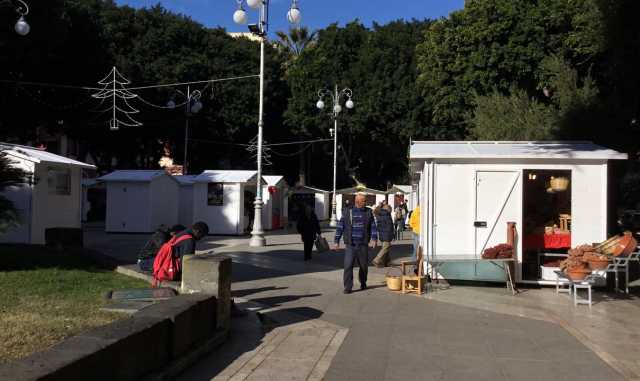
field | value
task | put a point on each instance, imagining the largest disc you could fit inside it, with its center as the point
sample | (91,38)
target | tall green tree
(296,41)
(292,45)
(516,116)
(10,176)
(149,46)
(379,65)
(494,44)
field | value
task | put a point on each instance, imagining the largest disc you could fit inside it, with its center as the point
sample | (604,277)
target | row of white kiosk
(138,201)
(468,192)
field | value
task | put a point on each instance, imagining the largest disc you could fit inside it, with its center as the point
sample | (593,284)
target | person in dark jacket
(357,227)
(197,231)
(308,228)
(151,247)
(384,227)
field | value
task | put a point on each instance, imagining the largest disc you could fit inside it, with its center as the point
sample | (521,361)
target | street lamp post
(260,30)
(192,106)
(21,27)
(335,110)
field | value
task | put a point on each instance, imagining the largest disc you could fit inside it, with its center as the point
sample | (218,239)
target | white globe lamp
(196,107)
(294,15)
(22,27)
(349,104)
(240,17)
(254,3)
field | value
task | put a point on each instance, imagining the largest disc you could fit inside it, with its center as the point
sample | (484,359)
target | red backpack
(166,267)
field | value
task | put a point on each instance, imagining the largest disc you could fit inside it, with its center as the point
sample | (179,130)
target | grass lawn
(46,295)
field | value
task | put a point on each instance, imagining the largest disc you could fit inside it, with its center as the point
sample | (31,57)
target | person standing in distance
(384,228)
(357,227)
(309,229)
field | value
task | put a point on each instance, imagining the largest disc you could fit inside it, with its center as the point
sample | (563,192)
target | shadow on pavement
(288,316)
(275,301)
(248,334)
(248,266)
(242,293)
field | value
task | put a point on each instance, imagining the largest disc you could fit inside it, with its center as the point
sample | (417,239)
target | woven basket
(394,282)
(559,184)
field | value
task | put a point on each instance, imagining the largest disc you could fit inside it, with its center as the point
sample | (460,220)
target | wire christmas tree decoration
(252,148)
(114,89)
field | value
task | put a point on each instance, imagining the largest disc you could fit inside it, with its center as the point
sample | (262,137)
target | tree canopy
(496,69)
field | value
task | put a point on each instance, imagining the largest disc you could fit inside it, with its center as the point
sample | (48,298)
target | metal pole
(186,132)
(257,235)
(334,217)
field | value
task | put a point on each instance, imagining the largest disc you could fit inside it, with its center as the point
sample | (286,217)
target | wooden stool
(419,280)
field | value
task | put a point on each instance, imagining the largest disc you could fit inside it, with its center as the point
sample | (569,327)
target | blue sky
(315,13)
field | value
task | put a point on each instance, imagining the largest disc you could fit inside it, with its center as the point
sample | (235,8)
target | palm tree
(293,44)
(9,176)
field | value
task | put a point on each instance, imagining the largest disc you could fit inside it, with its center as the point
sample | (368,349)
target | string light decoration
(114,89)
(252,148)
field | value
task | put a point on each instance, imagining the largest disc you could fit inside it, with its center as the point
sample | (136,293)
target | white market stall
(224,200)
(348,195)
(555,192)
(139,201)
(185,202)
(400,193)
(53,199)
(318,199)
(274,193)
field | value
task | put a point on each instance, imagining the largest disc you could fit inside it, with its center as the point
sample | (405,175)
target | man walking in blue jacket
(357,227)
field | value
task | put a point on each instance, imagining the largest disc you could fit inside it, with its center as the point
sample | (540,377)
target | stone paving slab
(298,350)
(607,329)
(460,333)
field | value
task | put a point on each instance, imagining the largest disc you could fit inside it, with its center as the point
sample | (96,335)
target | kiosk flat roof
(225,176)
(567,150)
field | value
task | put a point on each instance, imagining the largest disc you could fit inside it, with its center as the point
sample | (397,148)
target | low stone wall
(155,343)
(127,349)
(209,273)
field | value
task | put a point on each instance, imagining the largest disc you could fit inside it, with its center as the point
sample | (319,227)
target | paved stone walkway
(303,328)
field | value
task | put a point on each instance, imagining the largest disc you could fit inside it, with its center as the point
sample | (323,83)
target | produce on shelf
(502,250)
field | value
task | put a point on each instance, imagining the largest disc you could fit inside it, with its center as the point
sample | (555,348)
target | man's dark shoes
(363,287)
(346,291)
(235,311)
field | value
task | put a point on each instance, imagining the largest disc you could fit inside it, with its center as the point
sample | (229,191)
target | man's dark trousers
(353,254)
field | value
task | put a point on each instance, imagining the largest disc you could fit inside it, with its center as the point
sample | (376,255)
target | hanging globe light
(294,16)
(254,3)
(22,27)
(240,16)
(196,107)
(349,104)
